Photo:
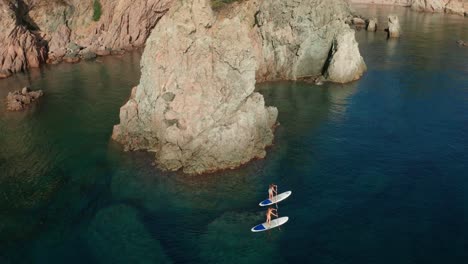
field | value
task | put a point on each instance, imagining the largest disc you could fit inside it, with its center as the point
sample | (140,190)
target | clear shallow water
(377,167)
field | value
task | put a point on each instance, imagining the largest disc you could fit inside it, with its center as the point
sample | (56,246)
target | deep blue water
(378,167)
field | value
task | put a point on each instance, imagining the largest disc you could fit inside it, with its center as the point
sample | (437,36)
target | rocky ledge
(196,107)
(39,31)
(19,100)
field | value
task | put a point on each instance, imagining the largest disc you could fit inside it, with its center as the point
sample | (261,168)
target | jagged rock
(346,62)
(18,100)
(458,7)
(372,24)
(195,106)
(393,26)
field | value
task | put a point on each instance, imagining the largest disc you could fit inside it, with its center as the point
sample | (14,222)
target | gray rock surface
(195,106)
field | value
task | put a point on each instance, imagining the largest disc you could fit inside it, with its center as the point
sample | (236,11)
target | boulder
(71,58)
(88,55)
(346,63)
(372,24)
(4,74)
(358,21)
(393,26)
(103,52)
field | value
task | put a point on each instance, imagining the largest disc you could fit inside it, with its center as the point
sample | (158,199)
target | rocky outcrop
(393,26)
(428,5)
(19,100)
(195,106)
(456,7)
(39,31)
(346,63)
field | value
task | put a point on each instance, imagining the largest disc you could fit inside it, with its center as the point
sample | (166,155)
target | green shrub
(218,4)
(97,10)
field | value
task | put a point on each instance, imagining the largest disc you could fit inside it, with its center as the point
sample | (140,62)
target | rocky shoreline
(35,32)
(458,7)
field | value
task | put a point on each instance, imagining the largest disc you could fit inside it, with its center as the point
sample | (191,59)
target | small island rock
(372,24)
(393,26)
(18,100)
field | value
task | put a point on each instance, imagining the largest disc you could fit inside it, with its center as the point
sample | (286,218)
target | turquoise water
(377,167)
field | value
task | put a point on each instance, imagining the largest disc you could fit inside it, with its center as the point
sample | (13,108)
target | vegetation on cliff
(97,10)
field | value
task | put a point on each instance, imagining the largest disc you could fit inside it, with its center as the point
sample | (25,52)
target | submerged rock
(393,26)
(116,235)
(18,100)
(346,63)
(462,43)
(195,106)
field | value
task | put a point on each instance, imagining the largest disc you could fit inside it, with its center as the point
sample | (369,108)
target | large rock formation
(195,106)
(34,30)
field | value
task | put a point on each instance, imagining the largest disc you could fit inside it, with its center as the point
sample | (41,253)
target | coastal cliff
(39,31)
(196,107)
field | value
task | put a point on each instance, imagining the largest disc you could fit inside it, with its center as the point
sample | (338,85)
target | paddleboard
(273,224)
(276,199)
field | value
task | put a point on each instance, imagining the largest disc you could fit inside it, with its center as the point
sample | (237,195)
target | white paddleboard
(276,199)
(274,223)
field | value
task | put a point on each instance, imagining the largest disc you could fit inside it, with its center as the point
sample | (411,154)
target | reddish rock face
(39,31)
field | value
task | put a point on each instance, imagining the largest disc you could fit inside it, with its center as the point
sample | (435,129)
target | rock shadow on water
(116,235)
